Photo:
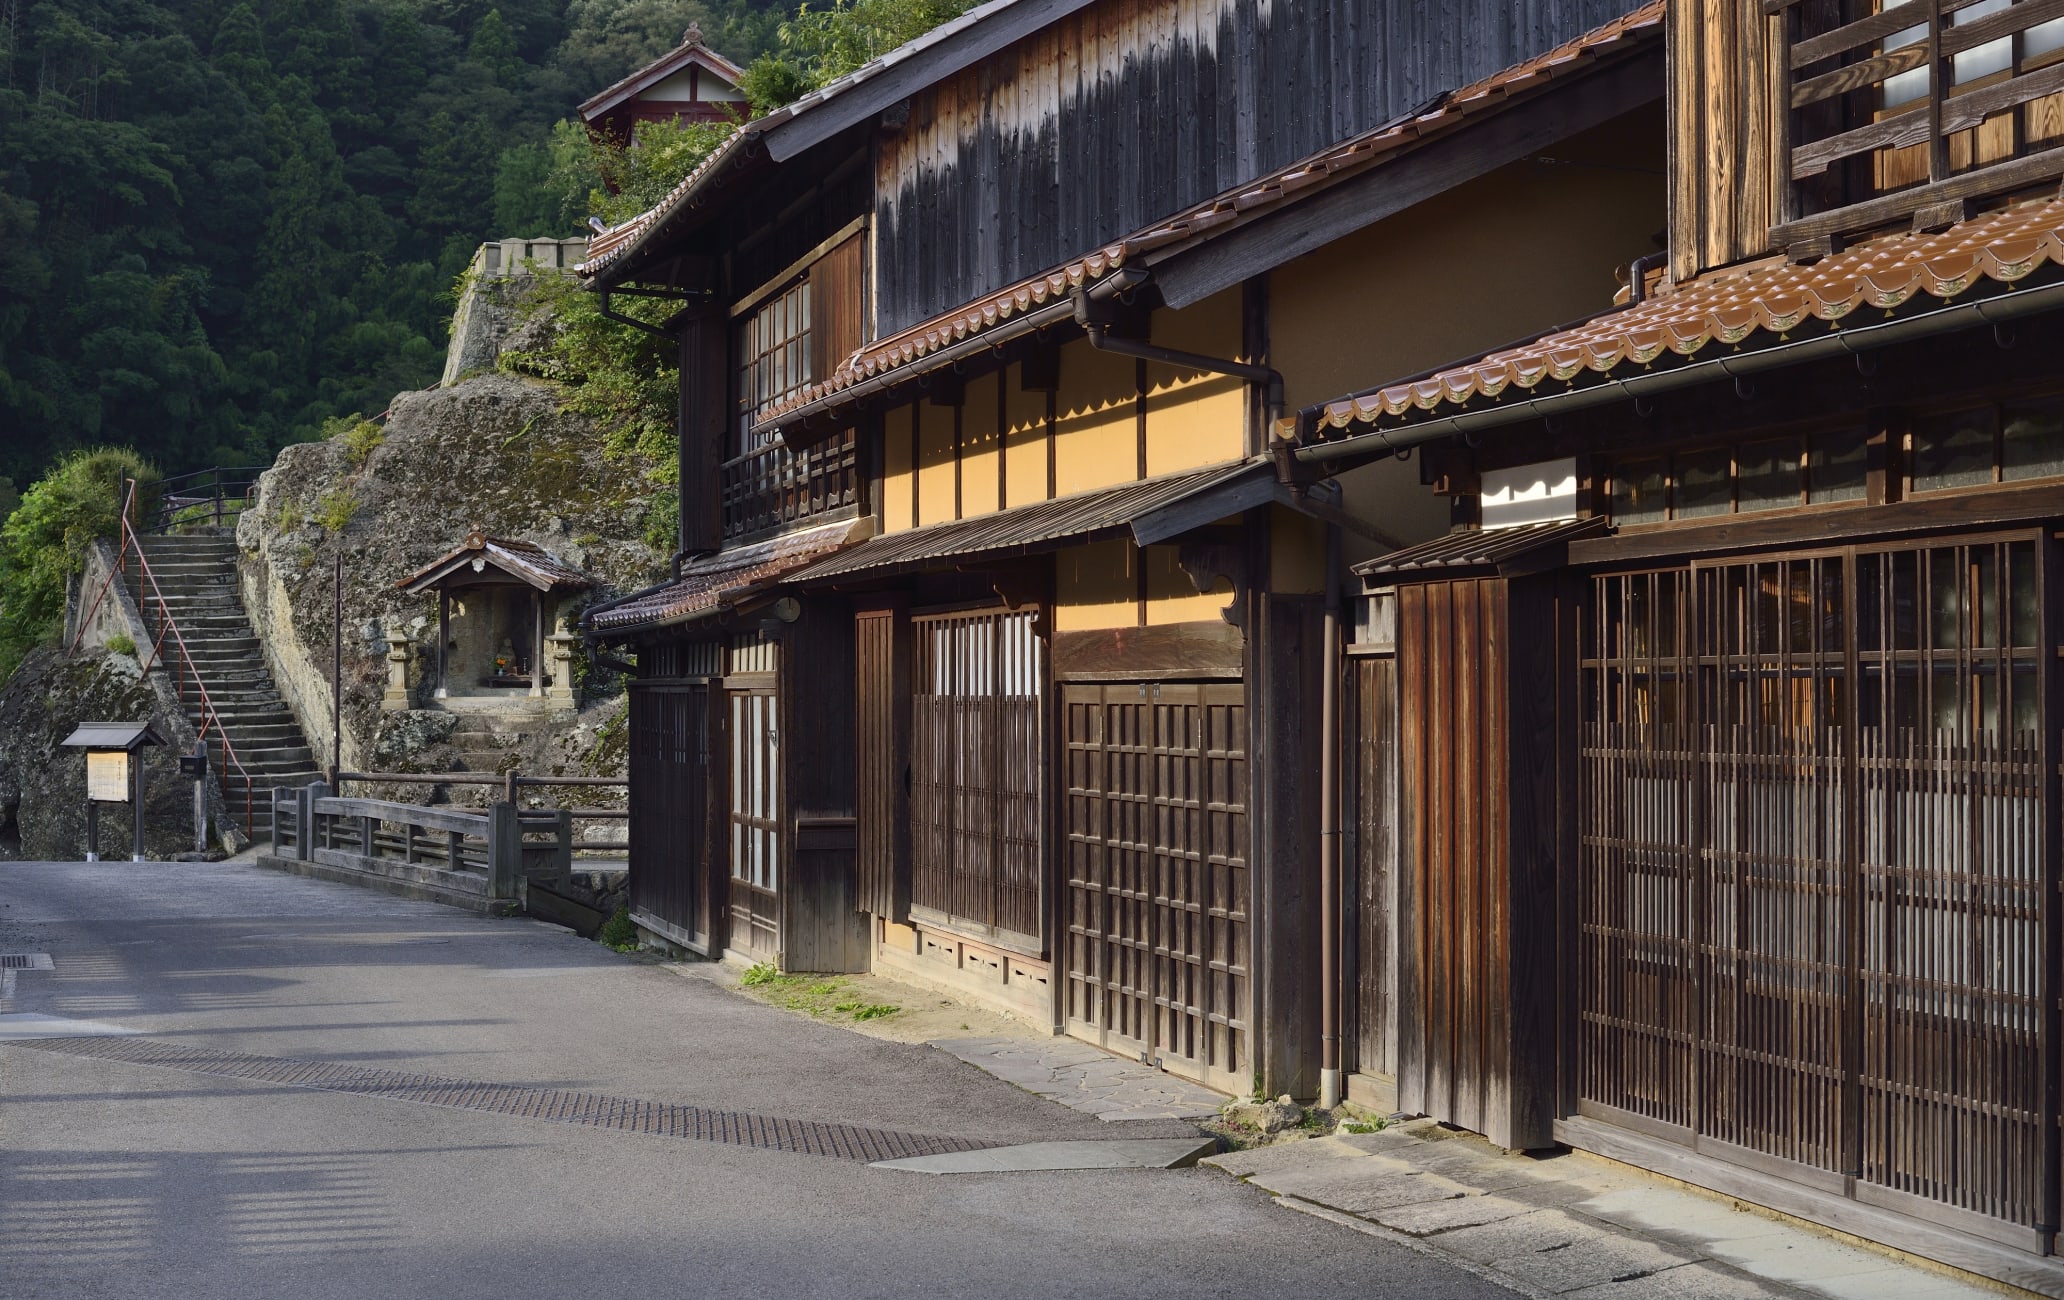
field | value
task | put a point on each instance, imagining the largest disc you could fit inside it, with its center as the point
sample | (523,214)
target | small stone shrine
(500,643)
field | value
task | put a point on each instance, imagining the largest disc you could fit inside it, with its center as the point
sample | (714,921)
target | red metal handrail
(210,718)
(79,632)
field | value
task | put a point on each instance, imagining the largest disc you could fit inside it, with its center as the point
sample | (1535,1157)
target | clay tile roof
(1622,35)
(690,50)
(1732,307)
(719,581)
(533,564)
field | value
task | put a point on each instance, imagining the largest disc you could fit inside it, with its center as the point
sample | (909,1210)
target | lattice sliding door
(1157,902)
(1819,869)
(977,758)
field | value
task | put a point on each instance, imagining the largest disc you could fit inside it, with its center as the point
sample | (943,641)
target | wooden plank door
(755,824)
(1155,824)
(669,774)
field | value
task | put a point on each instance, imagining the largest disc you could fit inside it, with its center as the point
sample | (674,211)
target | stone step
(242,734)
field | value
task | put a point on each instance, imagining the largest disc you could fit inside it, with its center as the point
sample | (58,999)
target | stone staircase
(196,572)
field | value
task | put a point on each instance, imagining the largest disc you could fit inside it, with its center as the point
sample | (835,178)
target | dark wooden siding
(838,287)
(1132,109)
(1726,187)
(1373,1028)
(822,928)
(881,639)
(1477,755)
(703,418)
(669,767)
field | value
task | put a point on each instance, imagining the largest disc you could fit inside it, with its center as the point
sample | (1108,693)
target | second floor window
(774,361)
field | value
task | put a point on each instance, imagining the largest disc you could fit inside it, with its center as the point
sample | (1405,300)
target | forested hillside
(224,222)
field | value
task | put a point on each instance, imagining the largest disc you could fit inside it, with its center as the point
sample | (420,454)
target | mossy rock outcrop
(496,453)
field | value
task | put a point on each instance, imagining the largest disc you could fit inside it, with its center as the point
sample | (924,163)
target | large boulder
(43,784)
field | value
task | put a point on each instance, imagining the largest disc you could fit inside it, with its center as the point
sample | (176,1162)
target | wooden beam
(1918,515)
(1187,276)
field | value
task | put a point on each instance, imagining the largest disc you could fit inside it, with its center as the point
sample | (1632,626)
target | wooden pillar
(443,641)
(537,643)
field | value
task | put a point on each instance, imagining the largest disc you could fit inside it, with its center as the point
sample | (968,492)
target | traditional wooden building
(997,647)
(689,83)
(1706,777)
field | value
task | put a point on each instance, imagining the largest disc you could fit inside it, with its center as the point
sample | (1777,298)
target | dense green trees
(225,221)
(46,536)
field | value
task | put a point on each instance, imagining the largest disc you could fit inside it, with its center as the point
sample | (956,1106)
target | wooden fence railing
(513,783)
(493,851)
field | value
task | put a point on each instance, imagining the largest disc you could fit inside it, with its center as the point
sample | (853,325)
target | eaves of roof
(718,582)
(1738,309)
(1474,549)
(939,53)
(656,71)
(533,564)
(1124,508)
(1237,207)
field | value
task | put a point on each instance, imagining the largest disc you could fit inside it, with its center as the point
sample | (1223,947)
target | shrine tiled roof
(525,560)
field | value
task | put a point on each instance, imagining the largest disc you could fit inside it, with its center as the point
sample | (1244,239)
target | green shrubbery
(45,538)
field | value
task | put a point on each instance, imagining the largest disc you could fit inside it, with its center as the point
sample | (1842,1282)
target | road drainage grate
(25,961)
(595,1110)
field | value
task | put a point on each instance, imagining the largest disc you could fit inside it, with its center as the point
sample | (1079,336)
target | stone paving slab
(1571,1225)
(1047,1157)
(1085,1078)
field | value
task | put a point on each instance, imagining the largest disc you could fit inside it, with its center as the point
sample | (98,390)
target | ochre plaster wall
(1006,447)
(1101,585)
(1518,252)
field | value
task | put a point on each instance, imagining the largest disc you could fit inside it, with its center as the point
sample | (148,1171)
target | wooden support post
(368,836)
(452,858)
(136,806)
(275,820)
(562,844)
(408,843)
(537,643)
(443,642)
(504,852)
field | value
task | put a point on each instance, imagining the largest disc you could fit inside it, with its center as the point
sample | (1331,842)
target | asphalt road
(127,1180)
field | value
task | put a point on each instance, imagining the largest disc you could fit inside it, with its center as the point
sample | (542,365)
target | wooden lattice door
(1818,873)
(1157,856)
(976,806)
(669,762)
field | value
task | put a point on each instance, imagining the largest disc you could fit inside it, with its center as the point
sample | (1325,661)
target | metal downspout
(1329,836)
(1269,377)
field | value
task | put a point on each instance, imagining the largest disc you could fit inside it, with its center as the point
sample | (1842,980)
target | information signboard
(107,776)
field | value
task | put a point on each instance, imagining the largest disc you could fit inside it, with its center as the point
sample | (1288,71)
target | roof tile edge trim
(1731,306)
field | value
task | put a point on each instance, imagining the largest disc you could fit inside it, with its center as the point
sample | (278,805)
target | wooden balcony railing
(772,487)
(1915,109)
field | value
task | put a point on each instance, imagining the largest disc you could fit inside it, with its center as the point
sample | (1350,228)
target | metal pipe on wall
(1329,836)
